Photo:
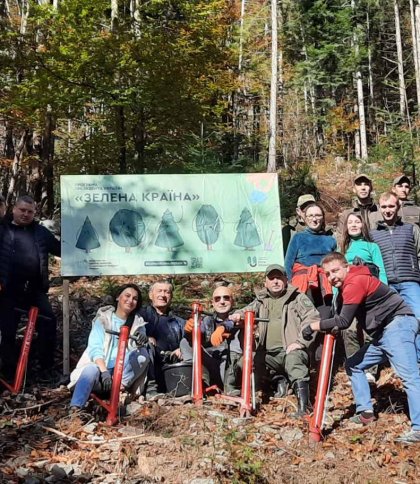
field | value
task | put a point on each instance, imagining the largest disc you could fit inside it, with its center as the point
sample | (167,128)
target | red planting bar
(197,384)
(246,403)
(316,421)
(112,406)
(24,353)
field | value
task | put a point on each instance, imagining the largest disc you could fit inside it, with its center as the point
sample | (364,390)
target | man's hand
(307,333)
(235,317)
(293,347)
(140,338)
(177,353)
(152,340)
(189,325)
(217,337)
(106,381)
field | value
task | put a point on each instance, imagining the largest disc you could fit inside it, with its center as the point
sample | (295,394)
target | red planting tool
(112,406)
(247,398)
(24,351)
(324,379)
(197,370)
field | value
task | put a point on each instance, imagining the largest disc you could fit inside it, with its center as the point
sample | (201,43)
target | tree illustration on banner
(168,235)
(127,228)
(246,231)
(88,238)
(207,225)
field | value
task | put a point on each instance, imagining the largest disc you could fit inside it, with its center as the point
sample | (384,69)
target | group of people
(363,281)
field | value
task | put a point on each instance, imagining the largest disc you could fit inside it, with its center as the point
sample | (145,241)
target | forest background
(313,89)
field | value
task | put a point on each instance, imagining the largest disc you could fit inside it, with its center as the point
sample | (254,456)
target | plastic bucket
(178,378)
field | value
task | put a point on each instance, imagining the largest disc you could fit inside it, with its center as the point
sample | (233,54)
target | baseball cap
(275,267)
(361,176)
(305,199)
(399,179)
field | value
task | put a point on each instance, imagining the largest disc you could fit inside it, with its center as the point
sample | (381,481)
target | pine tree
(88,238)
(246,231)
(168,235)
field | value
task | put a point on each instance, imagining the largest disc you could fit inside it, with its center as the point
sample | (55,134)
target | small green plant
(108,286)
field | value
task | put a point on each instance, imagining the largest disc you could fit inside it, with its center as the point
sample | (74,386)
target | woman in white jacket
(95,367)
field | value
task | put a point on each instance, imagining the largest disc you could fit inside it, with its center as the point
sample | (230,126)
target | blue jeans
(396,343)
(410,292)
(133,374)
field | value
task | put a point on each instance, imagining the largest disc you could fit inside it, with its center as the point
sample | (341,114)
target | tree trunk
(271,166)
(114,15)
(48,159)
(415,51)
(122,145)
(398,41)
(16,166)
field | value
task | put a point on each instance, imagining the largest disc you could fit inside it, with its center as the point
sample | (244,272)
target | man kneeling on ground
(221,344)
(280,346)
(385,316)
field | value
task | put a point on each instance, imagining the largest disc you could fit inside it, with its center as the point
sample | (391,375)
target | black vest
(398,252)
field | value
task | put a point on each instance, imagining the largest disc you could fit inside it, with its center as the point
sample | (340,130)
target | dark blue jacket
(400,245)
(45,244)
(167,329)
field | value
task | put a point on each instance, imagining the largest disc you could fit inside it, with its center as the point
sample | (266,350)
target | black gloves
(106,380)
(307,333)
(140,339)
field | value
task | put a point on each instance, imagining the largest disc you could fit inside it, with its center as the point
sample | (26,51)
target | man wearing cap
(280,347)
(290,230)
(409,212)
(363,204)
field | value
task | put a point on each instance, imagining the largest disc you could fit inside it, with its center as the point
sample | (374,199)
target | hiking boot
(234,392)
(410,437)
(282,387)
(363,418)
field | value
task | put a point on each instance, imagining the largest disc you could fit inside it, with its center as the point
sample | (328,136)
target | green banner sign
(169,224)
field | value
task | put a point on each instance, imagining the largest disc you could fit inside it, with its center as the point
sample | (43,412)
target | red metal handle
(316,421)
(197,384)
(246,404)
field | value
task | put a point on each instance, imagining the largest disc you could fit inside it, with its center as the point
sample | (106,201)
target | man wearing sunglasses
(221,345)
(280,347)
(409,212)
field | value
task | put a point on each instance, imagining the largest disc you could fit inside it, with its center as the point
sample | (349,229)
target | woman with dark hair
(303,259)
(358,248)
(95,367)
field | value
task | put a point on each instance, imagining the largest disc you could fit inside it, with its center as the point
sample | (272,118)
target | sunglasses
(219,298)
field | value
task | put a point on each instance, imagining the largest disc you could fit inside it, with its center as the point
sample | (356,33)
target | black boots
(282,387)
(301,389)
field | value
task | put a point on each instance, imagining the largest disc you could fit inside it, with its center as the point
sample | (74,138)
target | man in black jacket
(24,249)
(409,211)
(165,331)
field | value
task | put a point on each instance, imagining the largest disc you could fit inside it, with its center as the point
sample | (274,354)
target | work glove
(140,338)
(106,381)
(189,326)
(307,333)
(217,336)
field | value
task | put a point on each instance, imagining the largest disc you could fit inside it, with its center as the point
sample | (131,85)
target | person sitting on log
(95,368)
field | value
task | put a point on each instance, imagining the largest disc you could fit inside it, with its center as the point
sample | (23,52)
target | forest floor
(172,440)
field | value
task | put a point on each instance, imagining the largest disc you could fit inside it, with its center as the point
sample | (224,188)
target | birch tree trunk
(415,51)
(271,166)
(398,41)
(114,15)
